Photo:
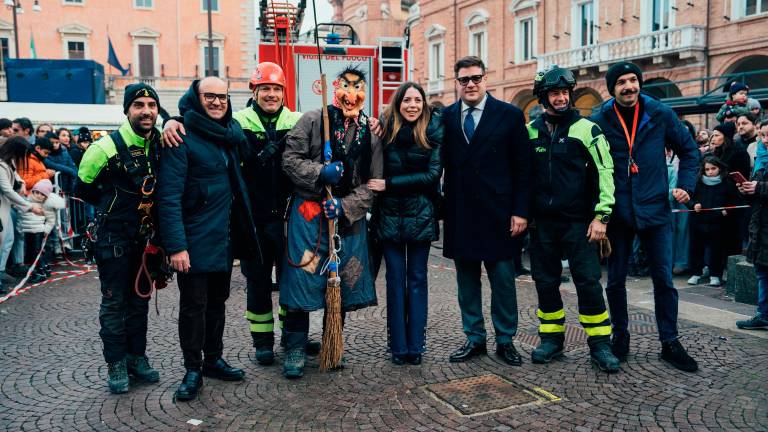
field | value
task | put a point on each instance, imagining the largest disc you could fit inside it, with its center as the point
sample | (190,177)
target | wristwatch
(604,218)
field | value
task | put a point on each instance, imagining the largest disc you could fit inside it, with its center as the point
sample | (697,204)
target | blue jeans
(762,288)
(657,242)
(406,296)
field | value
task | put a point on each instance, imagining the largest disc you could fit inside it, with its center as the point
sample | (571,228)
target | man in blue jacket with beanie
(639,128)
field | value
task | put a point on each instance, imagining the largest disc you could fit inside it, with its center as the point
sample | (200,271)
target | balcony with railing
(683,42)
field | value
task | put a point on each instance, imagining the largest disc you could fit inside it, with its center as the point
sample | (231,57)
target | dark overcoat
(487,181)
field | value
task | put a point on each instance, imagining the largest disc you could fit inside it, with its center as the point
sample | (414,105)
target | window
(660,15)
(214,5)
(525,50)
(478,45)
(75,50)
(74,2)
(5,50)
(216,71)
(143,4)
(477,27)
(146,60)
(586,23)
(436,66)
(755,7)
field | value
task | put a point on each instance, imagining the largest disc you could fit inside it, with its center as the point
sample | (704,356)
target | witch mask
(349,95)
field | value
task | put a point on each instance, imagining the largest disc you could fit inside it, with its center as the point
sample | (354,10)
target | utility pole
(210,39)
(15,27)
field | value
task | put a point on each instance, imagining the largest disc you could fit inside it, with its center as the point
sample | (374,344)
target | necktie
(469,124)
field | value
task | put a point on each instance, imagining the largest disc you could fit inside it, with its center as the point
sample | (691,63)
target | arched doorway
(526,101)
(585,100)
(751,65)
(661,88)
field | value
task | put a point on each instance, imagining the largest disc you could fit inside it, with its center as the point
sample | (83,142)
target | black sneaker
(757,322)
(37,278)
(620,345)
(18,271)
(674,354)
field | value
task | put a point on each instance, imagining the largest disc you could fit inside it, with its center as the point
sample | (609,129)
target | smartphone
(737,177)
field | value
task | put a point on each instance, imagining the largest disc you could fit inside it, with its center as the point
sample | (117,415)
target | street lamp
(15,5)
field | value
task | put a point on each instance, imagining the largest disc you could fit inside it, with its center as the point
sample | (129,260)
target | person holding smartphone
(715,189)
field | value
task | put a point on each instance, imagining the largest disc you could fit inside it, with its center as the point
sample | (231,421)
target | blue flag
(113,61)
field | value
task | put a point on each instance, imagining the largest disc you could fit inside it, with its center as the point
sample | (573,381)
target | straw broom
(333,345)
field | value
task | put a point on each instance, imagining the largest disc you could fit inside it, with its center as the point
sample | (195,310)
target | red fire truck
(336,45)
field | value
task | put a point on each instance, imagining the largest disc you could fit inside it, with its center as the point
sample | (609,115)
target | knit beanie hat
(44,186)
(728,129)
(137,90)
(737,87)
(620,69)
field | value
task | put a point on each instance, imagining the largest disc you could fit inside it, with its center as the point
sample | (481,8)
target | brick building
(676,42)
(163,41)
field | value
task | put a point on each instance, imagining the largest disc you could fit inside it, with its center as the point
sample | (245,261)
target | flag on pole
(113,61)
(32,50)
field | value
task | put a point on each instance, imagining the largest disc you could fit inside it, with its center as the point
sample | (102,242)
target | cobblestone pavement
(52,376)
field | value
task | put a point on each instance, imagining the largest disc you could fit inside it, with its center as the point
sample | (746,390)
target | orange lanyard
(630,139)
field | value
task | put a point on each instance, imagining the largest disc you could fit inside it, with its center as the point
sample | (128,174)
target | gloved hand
(333,209)
(331,173)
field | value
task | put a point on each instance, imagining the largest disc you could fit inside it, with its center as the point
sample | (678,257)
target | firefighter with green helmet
(573,179)
(266,121)
(116,175)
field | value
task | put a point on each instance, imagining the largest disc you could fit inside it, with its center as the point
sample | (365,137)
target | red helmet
(267,73)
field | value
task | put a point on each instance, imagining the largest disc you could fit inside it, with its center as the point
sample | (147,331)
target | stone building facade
(676,42)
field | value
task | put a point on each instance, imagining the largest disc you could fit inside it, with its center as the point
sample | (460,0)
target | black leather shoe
(399,359)
(414,359)
(509,354)
(674,354)
(467,351)
(220,369)
(190,385)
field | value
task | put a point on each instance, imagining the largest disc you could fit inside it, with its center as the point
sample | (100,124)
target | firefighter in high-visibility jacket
(116,176)
(266,121)
(573,179)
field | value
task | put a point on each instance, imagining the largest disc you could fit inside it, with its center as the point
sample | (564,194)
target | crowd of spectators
(38,168)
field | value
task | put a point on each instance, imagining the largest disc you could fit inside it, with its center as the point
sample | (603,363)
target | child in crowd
(736,103)
(35,227)
(714,189)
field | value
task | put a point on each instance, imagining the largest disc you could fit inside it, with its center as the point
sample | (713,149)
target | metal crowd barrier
(73,219)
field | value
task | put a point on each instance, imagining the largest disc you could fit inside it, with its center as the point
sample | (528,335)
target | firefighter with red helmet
(265,121)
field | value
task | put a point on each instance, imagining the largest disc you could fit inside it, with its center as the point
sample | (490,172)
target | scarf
(711,181)
(761,158)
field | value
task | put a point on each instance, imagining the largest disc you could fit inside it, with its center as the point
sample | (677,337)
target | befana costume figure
(355,158)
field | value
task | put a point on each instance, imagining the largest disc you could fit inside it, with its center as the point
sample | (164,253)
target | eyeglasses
(465,79)
(210,97)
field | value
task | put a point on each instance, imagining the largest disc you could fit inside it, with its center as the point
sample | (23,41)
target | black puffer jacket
(405,211)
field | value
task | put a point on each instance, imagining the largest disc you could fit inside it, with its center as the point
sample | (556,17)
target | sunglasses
(210,97)
(465,79)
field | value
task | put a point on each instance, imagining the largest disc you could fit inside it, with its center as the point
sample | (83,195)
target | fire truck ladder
(392,69)
(280,21)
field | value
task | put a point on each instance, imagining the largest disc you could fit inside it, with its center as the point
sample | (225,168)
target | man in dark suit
(487,159)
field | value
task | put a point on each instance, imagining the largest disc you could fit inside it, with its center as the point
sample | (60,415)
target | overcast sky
(324,13)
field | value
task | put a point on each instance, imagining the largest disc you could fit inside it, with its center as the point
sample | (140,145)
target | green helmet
(552,78)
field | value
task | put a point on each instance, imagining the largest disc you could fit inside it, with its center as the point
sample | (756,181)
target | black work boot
(219,368)
(295,354)
(313,347)
(265,355)
(603,357)
(549,348)
(139,367)
(190,385)
(674,354)
(620,345)
(117,377)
